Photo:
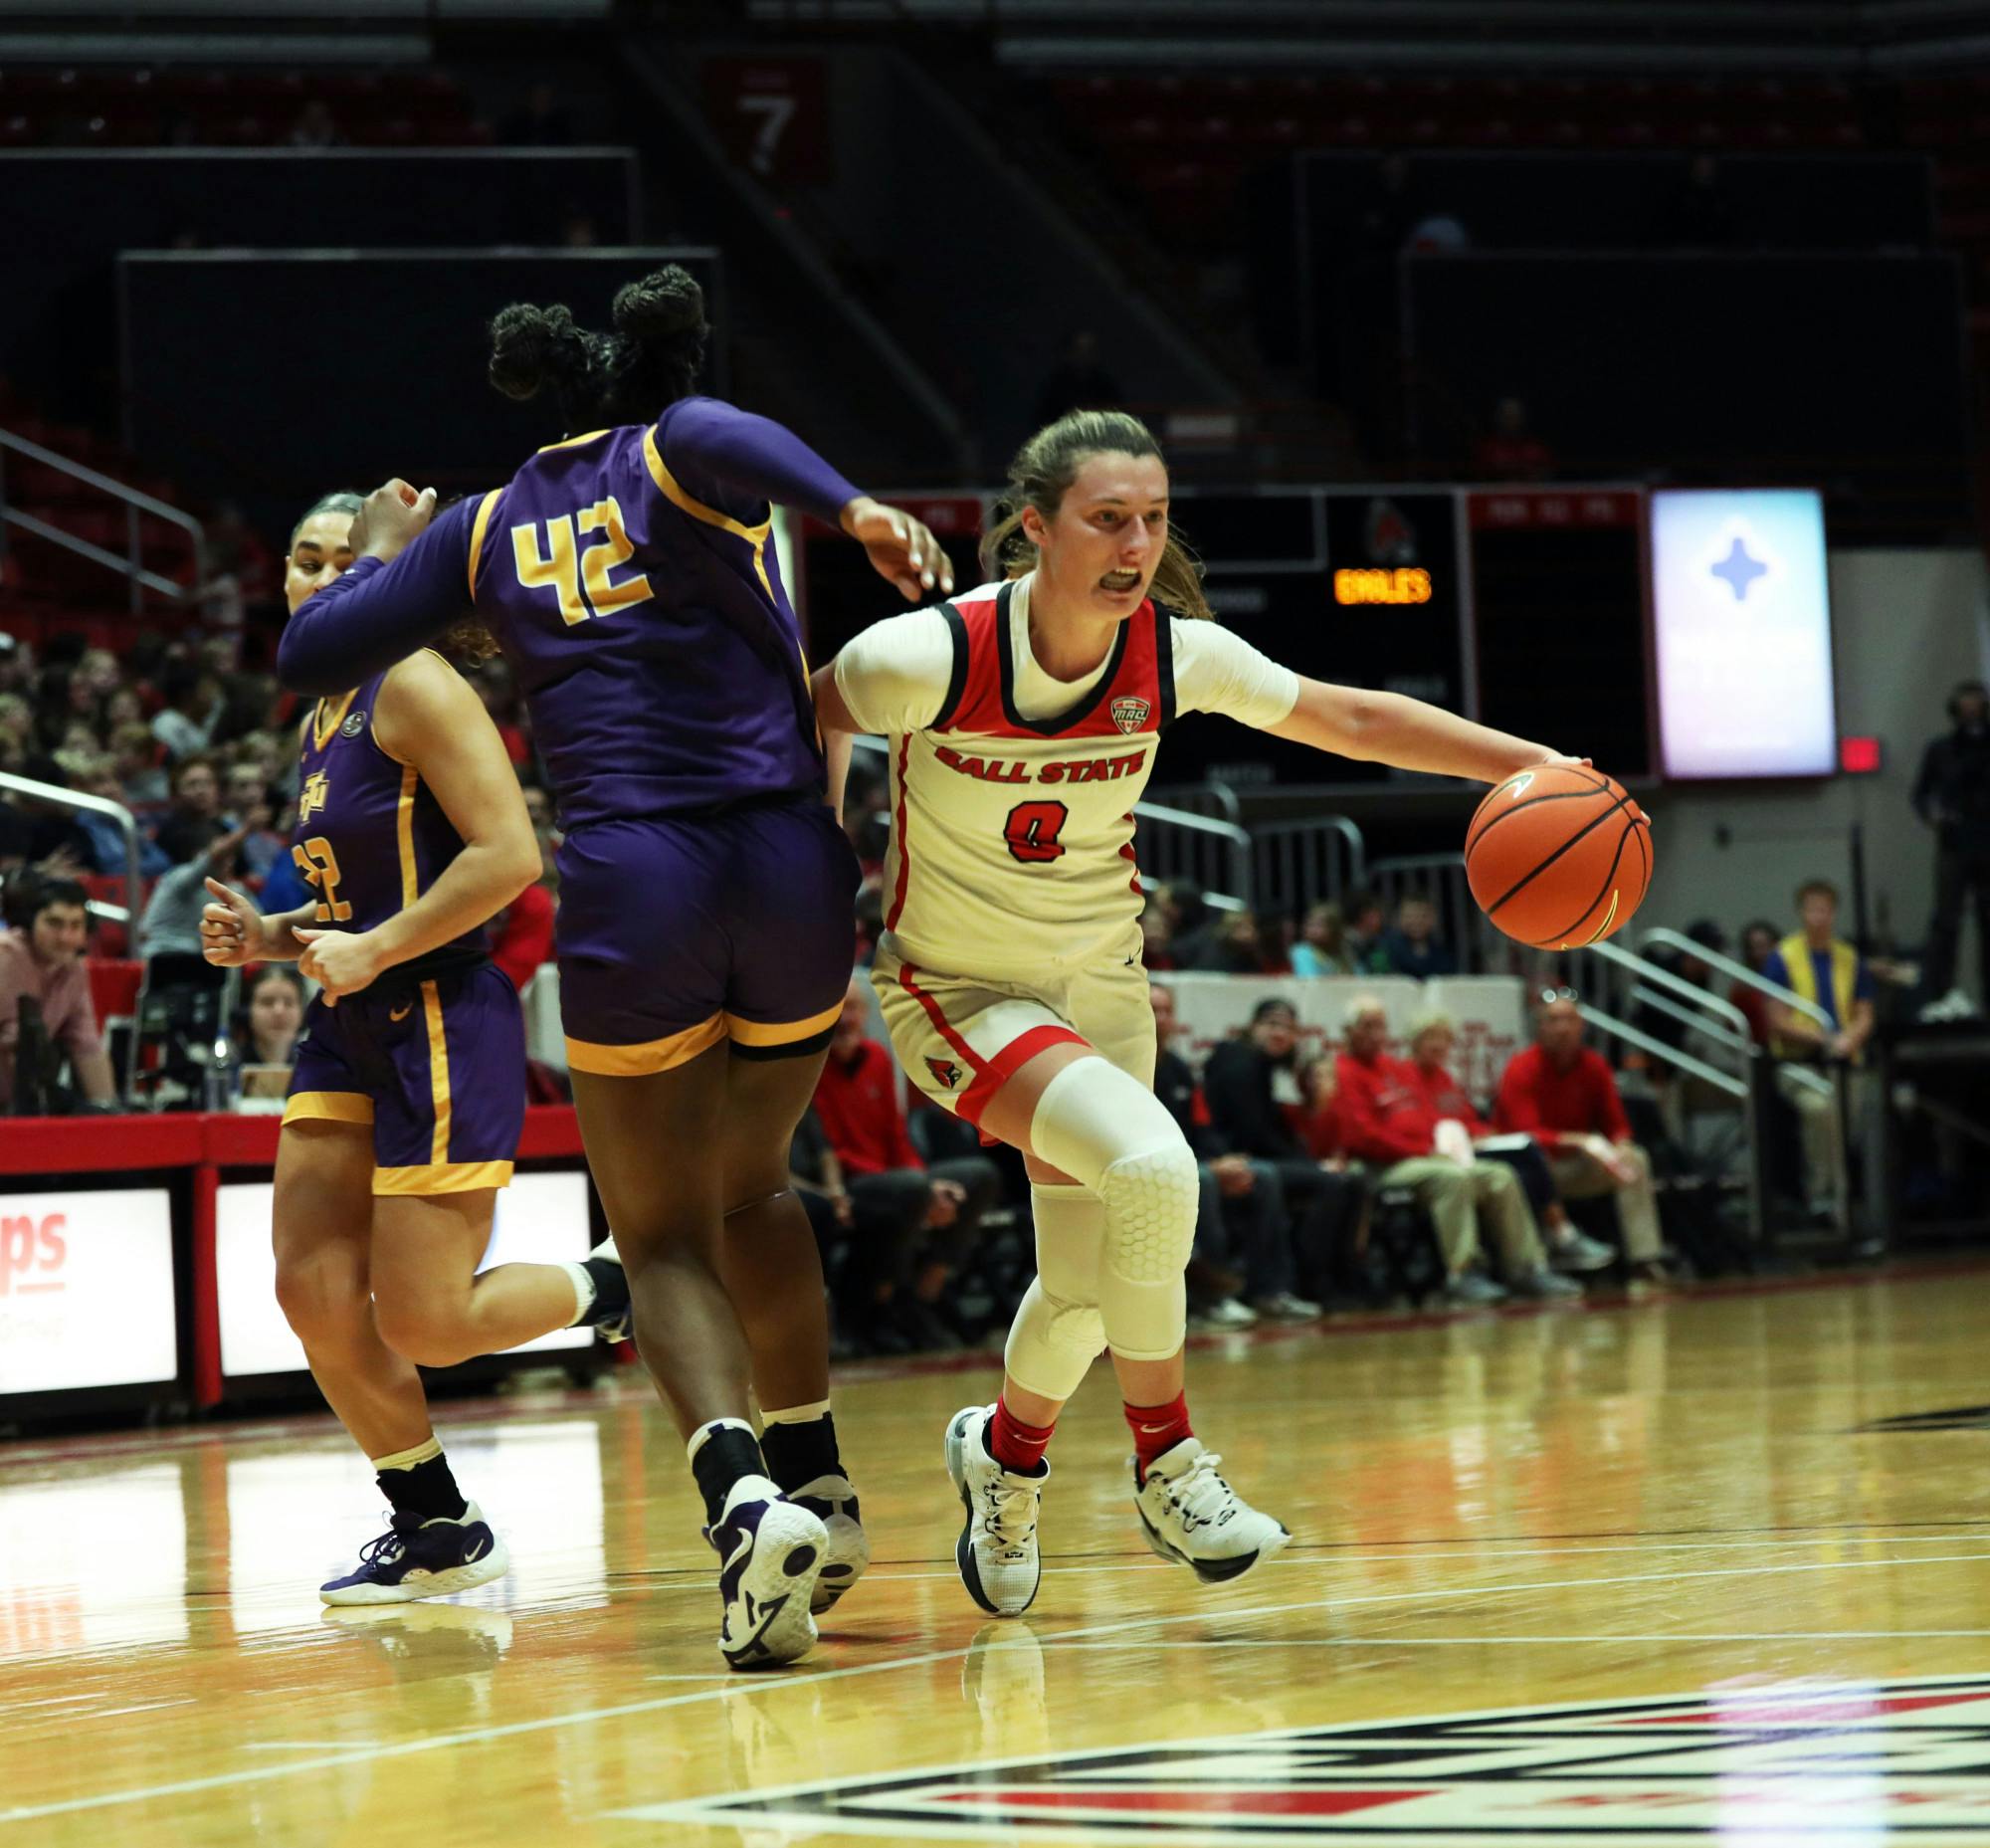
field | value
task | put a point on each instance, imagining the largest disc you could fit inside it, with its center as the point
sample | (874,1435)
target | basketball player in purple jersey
(706,892)
(408,1090)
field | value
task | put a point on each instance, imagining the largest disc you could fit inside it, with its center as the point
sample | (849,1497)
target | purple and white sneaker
(770,1554)
(417,1558)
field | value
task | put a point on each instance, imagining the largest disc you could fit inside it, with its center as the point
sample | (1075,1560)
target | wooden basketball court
(1713,1566)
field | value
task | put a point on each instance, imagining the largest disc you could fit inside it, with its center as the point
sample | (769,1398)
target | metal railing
(1303,863)
(131,915)
(137,577)
(1713,1017)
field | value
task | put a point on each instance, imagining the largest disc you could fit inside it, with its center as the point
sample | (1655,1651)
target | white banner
(541,1219)
(86,1289)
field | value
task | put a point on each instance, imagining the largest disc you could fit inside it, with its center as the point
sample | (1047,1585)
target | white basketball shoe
(997,1548)
(1191,1515)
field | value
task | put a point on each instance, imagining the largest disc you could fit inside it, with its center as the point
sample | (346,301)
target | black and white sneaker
(421,1559)
(770,1554)
(1190,1515)
(997,1548)
(832,1500)
(609,1316)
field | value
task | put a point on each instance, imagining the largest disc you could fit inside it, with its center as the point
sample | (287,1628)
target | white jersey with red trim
(1012,793)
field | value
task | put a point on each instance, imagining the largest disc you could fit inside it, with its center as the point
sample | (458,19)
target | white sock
(705,1431)
(797,1415)
(583,1291)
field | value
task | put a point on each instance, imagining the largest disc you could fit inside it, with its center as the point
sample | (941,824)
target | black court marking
(1835,1760)
(1960,1418)
(1616,808)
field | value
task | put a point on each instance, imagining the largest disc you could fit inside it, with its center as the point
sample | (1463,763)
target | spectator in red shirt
(932,1212)
(1386,1120)
(521,934)
(1564,1095)
(1432,1038)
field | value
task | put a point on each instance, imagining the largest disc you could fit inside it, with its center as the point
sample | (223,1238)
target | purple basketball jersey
(649,633)
(370,837)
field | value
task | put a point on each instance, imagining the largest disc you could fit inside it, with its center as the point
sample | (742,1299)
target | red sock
(1158,1429)
(1015,1445)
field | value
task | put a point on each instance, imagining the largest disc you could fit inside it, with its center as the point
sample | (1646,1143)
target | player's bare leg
(438,1542)
(772,1270)
(653,1143)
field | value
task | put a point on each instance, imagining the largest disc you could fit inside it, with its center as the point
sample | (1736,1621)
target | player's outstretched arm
(411,582)
(428,715)
(1411,735)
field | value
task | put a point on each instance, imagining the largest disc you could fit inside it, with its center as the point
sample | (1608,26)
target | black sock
(799,1453)
(726,1455)
(425,1489)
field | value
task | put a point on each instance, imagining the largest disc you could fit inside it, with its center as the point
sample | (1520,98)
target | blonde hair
(1436,1020)
(1042,473)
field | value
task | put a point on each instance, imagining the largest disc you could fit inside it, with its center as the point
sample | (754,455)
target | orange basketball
(1558,857)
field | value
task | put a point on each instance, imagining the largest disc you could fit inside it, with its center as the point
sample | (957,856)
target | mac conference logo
(1898,1760)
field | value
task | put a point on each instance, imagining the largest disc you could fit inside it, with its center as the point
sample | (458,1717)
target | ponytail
(650,360)
(1041,475)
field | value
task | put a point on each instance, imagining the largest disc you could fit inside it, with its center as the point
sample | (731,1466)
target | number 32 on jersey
(574,555)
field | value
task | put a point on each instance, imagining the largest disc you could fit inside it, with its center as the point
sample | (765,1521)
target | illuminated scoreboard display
(1378,588)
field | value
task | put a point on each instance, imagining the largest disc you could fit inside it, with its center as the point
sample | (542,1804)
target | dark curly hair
(650,360)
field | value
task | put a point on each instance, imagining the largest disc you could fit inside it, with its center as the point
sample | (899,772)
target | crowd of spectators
(202,748)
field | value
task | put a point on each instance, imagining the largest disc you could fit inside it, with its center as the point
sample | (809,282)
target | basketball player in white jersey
(1023,720)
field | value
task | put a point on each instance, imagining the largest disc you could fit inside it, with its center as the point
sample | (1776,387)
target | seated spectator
(99,777)
(171,924)
(252,806)
(41,976)
(538,802)
(1412,948)
(139,769)
(891,1188)
(1821,968)
(267,1039)
(38,832)
(1758,943)
(195,816)
(521,934)
(1432,1038)
(1156,931)
(1564,1095)
(1227,1181)
(1323,948)
(191,709)
(1387,1122)
(1234,947)
(1243,1082)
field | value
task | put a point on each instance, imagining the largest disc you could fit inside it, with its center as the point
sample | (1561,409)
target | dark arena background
(1609,372)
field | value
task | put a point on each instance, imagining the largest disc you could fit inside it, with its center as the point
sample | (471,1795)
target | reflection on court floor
(1713,1568)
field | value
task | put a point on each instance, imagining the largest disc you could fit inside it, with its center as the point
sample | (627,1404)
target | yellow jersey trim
(329,1107)
(438,1082)
(760,1033)
(571,441)
(323,725)
(697,509)
(404,836)
(477,527)
(649,1057)
(443,1178)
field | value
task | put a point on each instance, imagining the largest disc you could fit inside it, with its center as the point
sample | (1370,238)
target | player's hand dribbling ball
(1558,857)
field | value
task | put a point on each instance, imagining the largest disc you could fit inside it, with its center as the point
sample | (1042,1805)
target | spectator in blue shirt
(1412,948)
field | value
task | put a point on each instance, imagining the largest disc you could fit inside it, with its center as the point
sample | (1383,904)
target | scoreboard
(1524,608)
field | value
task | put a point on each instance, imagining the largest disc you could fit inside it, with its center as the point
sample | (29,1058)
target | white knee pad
(1112,1133)
(1058,1331)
